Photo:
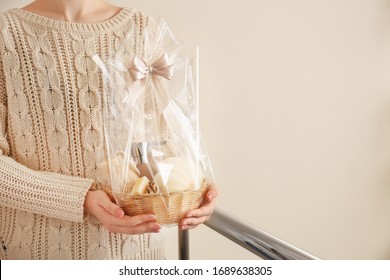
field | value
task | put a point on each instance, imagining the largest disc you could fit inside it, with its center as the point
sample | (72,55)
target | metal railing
(251,238)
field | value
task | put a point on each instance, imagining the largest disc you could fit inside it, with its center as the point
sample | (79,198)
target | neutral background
(295,111)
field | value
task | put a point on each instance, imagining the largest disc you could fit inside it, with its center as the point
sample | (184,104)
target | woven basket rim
(202,187)
(158,194)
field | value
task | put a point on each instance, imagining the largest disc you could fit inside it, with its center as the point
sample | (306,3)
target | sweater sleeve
(45,193)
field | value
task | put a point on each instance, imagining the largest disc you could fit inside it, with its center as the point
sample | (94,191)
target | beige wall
(295,100)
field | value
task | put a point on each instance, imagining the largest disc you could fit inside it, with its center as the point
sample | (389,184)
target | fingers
(133,221)
(138,229)
(190,223)
(98,199)
(114,219)
(207,207)
(203,213)
(206,210)
(211,193)
(130,224)
(197,216)
(105,202)
(109,220)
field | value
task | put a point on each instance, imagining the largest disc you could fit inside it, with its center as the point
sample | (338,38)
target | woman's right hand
(99,204)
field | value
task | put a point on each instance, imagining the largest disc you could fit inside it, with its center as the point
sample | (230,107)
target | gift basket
(153,161)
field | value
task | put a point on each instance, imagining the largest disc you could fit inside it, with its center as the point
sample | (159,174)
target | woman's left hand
(198,216)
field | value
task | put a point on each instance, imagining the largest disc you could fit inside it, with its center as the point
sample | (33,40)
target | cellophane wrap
(153,148)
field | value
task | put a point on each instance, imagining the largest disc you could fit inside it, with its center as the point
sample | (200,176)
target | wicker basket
(168,208)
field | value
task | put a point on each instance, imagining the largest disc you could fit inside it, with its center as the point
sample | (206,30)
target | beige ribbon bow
(162,67)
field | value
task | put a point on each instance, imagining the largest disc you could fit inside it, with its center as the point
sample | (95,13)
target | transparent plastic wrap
(154,161)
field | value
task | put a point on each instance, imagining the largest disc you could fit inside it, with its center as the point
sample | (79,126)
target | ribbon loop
(161,67)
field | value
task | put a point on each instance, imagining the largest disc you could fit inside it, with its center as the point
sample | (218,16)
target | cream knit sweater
(50,130)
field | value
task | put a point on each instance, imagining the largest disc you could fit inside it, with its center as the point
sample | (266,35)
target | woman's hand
(203,213)
(99,204)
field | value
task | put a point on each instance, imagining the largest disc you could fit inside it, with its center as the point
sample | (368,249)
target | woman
(50,130)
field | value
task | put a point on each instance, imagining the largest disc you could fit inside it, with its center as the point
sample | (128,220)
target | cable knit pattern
(50,132)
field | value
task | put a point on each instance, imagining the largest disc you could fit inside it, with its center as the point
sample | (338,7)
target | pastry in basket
(174,176)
